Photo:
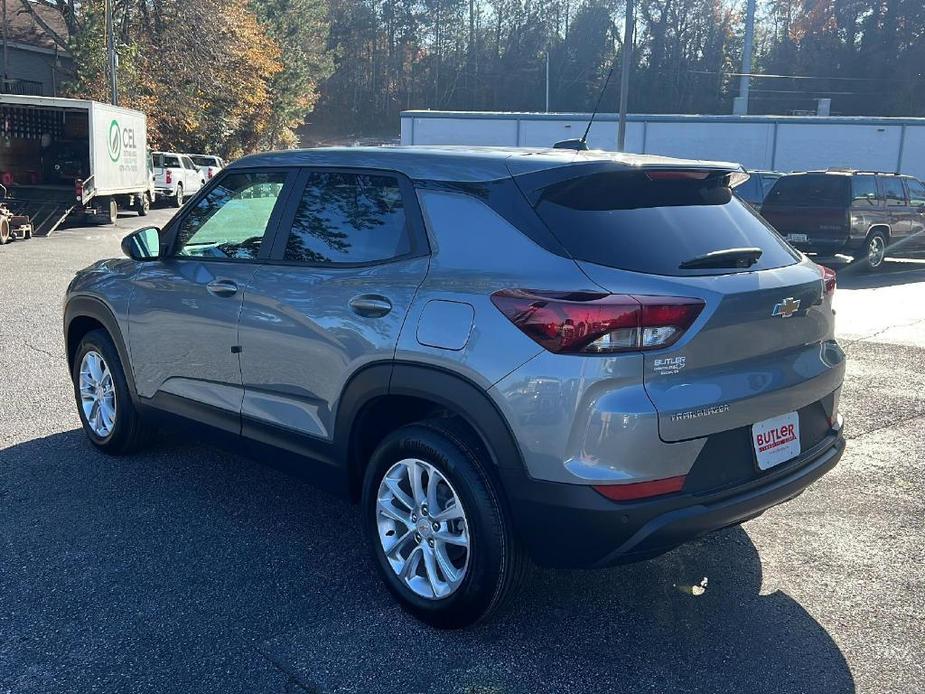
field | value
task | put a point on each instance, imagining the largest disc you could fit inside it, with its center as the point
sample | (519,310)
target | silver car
(579,358)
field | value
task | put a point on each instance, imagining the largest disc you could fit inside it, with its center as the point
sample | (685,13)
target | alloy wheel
(97,394)
(423,528)
(876,250)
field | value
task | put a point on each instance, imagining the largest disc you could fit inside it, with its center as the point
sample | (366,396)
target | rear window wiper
(729,257)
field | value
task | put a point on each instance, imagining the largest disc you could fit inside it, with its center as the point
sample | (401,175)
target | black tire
(5,235)
(496,562)
(178,196)
(129,432)
(113,216)
(143,205)
(872,259)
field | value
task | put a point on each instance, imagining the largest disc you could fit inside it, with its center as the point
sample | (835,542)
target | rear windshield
(627,221)
(810,190)
(204,161)
(167,160)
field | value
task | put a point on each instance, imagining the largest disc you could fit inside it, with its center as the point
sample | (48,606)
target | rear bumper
(574,526)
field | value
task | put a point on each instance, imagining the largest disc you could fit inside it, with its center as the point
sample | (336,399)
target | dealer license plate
(776,440)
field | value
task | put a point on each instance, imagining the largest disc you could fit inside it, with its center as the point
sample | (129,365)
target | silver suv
(580,358)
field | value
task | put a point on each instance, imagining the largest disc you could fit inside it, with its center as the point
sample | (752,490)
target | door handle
(222,288)
(370,305)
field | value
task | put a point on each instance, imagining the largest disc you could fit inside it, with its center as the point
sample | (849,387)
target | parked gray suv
(579,357)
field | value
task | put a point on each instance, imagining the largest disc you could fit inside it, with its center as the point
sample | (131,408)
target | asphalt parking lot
(190,569)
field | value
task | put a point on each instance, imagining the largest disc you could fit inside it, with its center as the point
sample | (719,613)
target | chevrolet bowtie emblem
(786,308)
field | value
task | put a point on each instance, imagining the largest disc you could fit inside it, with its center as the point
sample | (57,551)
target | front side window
(916,192)
(348,218)
(893,190)
(230,222)
(864,190)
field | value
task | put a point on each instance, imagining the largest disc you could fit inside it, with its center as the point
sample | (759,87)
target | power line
(805,77)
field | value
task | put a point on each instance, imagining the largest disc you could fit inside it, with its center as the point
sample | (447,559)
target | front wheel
(437,529)
(876,250)
(104,404)
(5,234)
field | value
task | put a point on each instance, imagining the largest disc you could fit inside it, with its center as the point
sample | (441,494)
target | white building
(781,143)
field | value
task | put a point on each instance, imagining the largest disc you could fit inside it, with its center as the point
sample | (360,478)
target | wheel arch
(85,313)
(384,397)
(879,226)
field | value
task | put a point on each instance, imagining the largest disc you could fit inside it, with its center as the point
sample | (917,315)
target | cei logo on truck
(115,140)
(119,139)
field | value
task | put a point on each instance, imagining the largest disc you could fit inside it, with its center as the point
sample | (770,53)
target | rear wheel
(113,212)
(438,532)
(104,404)
(876,250)
(178,196)
(143,204)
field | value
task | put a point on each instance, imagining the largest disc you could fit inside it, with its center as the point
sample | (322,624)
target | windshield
(627,221)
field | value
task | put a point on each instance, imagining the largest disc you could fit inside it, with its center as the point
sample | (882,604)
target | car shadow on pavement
(890,273)
(187,568)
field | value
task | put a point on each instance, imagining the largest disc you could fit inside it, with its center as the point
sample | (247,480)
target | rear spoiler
(533,184)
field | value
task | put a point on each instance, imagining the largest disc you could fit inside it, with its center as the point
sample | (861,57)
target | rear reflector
(828,279)
(591,323)
(641,490)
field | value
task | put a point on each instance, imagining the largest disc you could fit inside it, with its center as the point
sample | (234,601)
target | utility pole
(628,30)
(547,80)
(5,60)
(740,104)
(111,51)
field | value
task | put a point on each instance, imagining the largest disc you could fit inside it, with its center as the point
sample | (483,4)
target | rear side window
(893,192)
(864,190)
(810,190)
(627,221)
(347,218)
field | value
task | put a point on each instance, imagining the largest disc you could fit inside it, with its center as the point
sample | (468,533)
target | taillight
(168,177)
(592,323)
(828,279)
(641,490)
(211,173)
(79,189)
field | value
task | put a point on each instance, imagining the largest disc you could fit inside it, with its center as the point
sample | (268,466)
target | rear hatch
(762,345)
(811,210)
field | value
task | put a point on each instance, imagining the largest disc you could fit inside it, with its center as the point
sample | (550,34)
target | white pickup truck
(176,176)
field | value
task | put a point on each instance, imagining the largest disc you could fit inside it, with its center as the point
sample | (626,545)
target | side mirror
(143,244)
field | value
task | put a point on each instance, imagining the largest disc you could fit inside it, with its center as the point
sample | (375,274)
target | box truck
(63,158)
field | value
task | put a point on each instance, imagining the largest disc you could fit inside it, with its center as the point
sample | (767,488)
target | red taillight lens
(590,323)
(168,177)
(79,189)
(828,279)
(211,172)
(641,490)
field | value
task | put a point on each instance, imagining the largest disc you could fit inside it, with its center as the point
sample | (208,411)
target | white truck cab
(176,176)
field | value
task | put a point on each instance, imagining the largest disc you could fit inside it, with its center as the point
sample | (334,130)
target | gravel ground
(190,569)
